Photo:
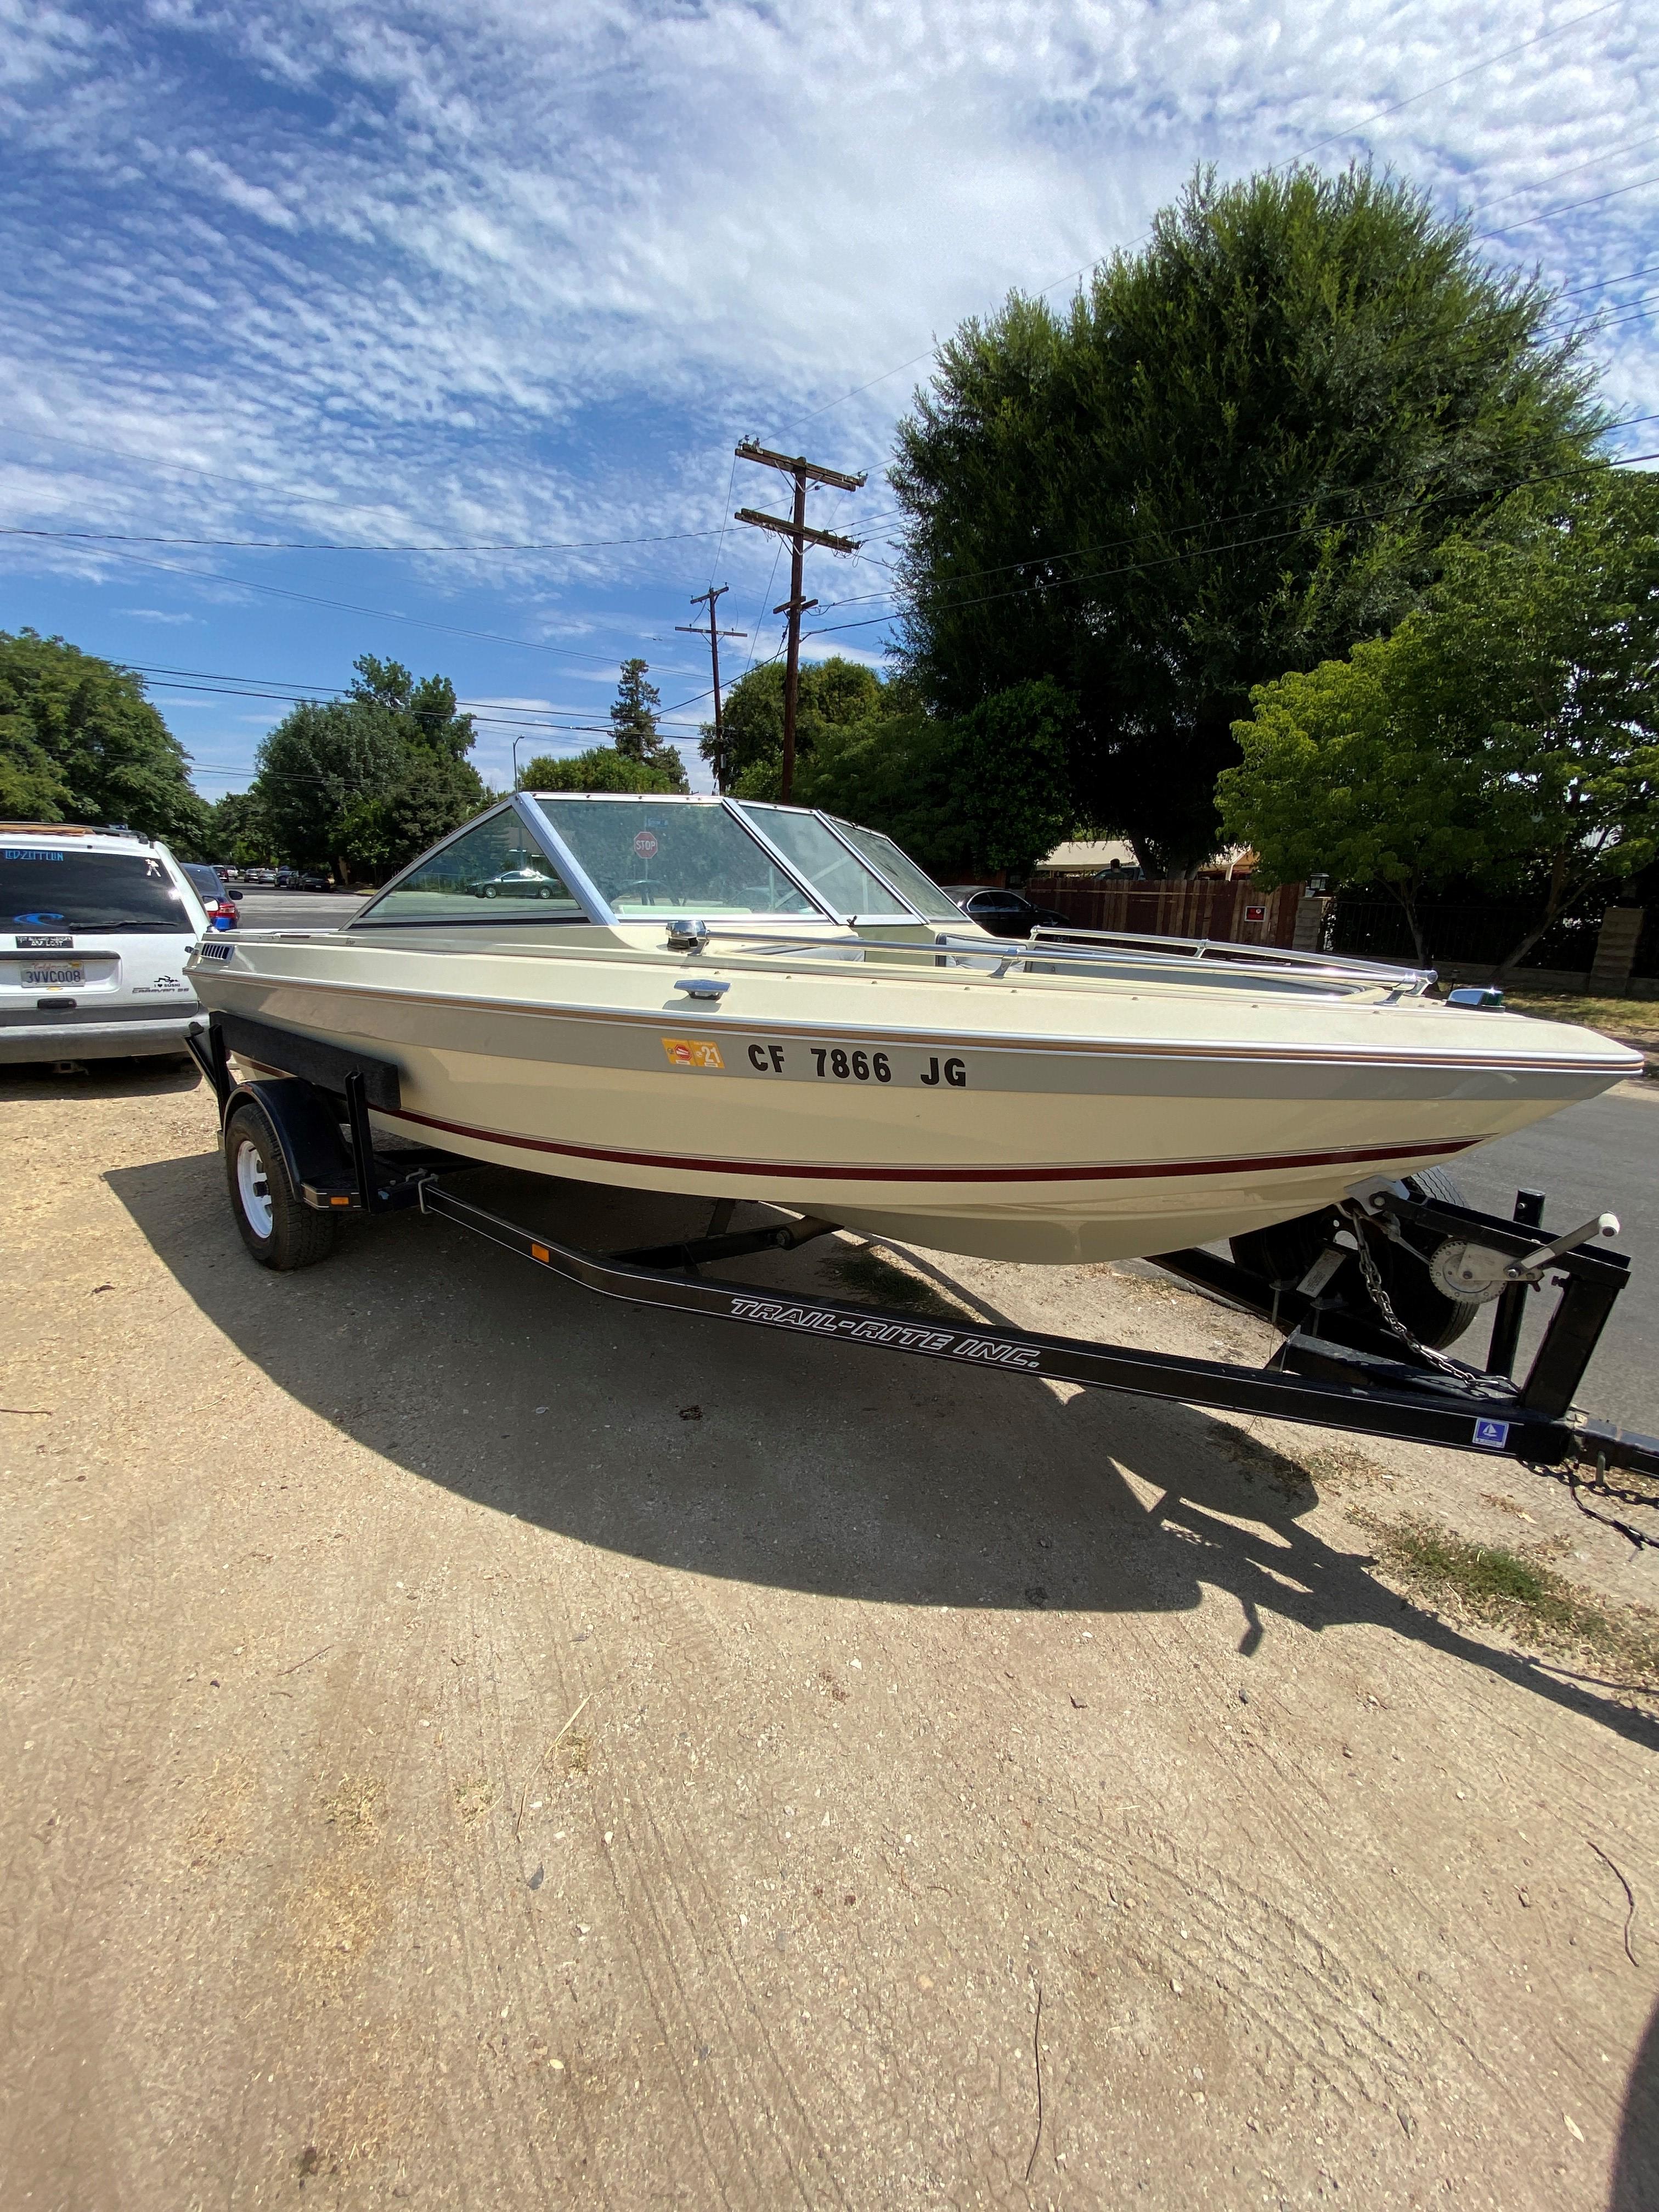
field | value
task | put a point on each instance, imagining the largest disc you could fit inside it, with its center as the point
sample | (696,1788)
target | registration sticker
(682,1052)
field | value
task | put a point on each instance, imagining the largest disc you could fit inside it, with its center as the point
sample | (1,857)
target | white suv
(95,926)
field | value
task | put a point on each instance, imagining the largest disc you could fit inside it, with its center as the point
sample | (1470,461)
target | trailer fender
(304,1126)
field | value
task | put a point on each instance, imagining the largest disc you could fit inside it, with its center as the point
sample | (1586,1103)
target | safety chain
(1572,1476)
(1479,1386)
(1599,1486)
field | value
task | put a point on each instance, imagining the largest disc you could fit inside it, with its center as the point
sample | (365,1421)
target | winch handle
(1521,1271)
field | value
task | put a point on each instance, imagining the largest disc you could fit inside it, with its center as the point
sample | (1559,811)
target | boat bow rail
(1338,1366)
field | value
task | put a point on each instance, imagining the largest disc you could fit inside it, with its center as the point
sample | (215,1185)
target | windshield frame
(597,909)
(586,888)
(576,882)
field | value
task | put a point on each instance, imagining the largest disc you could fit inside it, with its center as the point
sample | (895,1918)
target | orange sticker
(684,1054)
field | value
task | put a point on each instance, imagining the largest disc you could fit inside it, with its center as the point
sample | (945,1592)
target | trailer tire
(1285,1252)
(278,1228)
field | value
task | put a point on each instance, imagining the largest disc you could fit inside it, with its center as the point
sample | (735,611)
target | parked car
(97,926)
(216,896)
(519,883)
(1004,914)
(312,881)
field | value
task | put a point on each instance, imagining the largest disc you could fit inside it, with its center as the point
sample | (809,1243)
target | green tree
(238,833)
(1238,453)
(833,694)
(602,768)
(80,742)
(634,726)
(365,782)
(988,793)
(1507,732)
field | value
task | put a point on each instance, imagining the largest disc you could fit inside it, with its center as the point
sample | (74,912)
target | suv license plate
(54,976)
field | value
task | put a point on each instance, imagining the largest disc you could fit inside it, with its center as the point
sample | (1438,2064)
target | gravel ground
(471,1744)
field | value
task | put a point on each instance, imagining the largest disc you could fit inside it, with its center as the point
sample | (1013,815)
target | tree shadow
(745,1455)
(1635,2163)
(148,1076)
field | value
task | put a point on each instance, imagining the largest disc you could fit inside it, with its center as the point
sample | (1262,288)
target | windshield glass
(901,871)
(42,887)
(841,879)
(495,872)
(651,860)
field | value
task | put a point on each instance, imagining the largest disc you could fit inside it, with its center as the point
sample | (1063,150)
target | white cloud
(496,271)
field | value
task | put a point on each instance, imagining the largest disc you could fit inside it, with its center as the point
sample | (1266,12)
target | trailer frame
(1338,1366)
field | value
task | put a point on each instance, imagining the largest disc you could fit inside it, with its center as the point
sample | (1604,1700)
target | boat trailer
(1344,1362)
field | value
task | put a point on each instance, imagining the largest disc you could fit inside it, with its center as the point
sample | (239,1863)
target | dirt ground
(469,1744)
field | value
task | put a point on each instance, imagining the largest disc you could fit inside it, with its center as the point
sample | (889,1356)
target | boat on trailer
(718,998)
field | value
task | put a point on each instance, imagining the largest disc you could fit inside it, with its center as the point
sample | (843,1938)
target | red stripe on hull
(808,1172)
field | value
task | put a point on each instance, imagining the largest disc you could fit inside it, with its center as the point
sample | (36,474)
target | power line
(1238,546)
(1208,522)
(276,691)
(335,545)
(1601,283)
(1571,207)
(346,606)
(1559,176)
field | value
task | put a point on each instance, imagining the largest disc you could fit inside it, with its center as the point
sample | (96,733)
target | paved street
(1600,1157)
(261,908)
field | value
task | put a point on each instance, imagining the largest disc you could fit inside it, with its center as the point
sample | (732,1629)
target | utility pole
(800,537)
(714,634)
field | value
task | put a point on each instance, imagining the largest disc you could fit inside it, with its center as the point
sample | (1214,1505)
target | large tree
(601,768)
(365,782)
(634,734)
(988,795)
(1506,733)
(1237,452)
(834,693)
(80,742)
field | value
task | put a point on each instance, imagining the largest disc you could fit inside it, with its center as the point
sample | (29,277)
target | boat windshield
(902,872)
(644,860)
(839,877)
(494,872)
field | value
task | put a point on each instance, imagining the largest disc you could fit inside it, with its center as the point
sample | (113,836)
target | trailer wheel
(1286,1251)
(275,1224)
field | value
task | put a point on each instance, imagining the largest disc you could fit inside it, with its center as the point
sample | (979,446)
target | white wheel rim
(253,1187)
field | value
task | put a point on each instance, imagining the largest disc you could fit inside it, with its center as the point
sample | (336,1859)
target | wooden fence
(1231,913)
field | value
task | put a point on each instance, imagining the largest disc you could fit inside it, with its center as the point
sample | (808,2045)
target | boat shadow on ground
(748,1454)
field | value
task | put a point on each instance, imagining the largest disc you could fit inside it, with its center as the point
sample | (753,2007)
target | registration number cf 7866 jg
(52,976)
(835,1063)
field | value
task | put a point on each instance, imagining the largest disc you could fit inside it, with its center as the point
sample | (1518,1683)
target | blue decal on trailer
(1493,1435)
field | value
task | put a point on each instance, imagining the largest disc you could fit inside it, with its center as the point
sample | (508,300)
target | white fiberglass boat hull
(1031,1117)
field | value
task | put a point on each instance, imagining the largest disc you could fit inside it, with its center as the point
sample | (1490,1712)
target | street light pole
(517,742)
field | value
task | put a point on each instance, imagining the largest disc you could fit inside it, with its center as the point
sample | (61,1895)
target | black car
(313,882)
(1005,914)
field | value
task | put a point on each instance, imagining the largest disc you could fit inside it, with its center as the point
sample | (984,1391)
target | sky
(484,274)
